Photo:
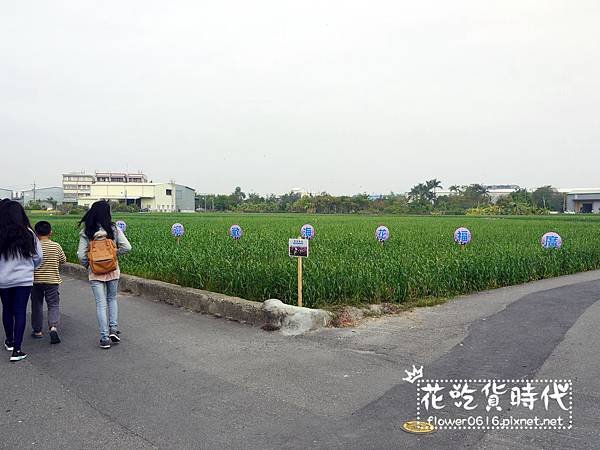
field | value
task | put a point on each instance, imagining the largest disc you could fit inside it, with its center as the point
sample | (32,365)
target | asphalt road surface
(185,380)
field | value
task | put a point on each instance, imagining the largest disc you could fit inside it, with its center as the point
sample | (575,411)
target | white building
(300,191)
(6,193)
(495,191)
(159,197)
(77,185)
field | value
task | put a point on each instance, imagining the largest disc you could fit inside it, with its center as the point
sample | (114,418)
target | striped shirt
(54,256)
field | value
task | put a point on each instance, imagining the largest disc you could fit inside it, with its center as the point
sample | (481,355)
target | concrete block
(292,320)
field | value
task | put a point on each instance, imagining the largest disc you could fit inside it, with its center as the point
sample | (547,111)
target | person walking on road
(20,254)
(100,244)
(46,282)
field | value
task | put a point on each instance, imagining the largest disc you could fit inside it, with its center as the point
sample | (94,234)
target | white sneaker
(18,355)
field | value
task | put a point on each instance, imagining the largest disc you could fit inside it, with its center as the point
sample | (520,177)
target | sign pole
(299,280)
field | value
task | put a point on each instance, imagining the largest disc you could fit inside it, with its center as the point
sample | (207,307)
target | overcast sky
(344,96)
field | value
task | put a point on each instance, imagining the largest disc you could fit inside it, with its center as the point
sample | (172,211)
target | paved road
(184,380)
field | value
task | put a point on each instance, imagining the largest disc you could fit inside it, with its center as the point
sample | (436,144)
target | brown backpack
(102,256)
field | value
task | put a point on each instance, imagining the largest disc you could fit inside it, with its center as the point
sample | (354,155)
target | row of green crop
(346,264)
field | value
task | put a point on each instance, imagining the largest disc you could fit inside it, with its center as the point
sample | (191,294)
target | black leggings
(14,313)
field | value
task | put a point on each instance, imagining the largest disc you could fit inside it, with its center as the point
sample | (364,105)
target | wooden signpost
(300,281)
(298,248)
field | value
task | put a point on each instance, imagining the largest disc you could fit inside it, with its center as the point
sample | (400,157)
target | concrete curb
(291,320)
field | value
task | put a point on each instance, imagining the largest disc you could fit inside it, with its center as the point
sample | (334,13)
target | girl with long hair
(98,225)
(20,255)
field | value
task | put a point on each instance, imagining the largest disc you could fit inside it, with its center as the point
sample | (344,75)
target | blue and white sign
(551,240)
(235,231)
(462,236)
(121,225)
(382,234)
(307,231)
(177,230)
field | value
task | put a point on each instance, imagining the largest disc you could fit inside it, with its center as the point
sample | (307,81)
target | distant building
(76,185)
(159,197)
(584,200)
(47,197)
(300,191)
(495,191)
(6,193)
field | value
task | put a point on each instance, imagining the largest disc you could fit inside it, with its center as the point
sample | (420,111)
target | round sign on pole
(307,231)
(382,233)
(177,230)
(235,231)
(462,236)
(121,225)
(551,240)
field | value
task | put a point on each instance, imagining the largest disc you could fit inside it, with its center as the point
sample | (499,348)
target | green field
(346,264)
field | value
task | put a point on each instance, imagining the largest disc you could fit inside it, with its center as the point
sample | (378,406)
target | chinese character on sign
(430,399)
(307,231)
(493,391)
(382,234)
(560,391)
(235,231)
(551,240)
(462,236)
(525,396)
(462,394)
(121,225)
(177,230)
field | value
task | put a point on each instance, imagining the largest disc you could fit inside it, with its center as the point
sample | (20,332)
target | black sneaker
(105,343)
(54,339)
(18,355)
(9,346)
(114,336)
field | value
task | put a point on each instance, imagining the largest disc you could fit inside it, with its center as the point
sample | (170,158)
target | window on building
(169,191)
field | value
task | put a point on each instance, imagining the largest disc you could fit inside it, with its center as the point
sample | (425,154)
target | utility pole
(33,191)
(173,194)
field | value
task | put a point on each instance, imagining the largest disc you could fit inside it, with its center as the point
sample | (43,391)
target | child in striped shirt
(46,280)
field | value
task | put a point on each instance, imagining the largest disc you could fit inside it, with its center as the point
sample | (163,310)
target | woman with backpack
(100,243)
(20,254)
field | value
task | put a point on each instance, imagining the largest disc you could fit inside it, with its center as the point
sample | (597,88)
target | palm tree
(418,192)
(432,185)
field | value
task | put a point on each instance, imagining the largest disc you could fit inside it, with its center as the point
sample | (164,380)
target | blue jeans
(14,313)
(105,293)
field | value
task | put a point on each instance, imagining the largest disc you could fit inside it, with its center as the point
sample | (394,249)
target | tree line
(473,199)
